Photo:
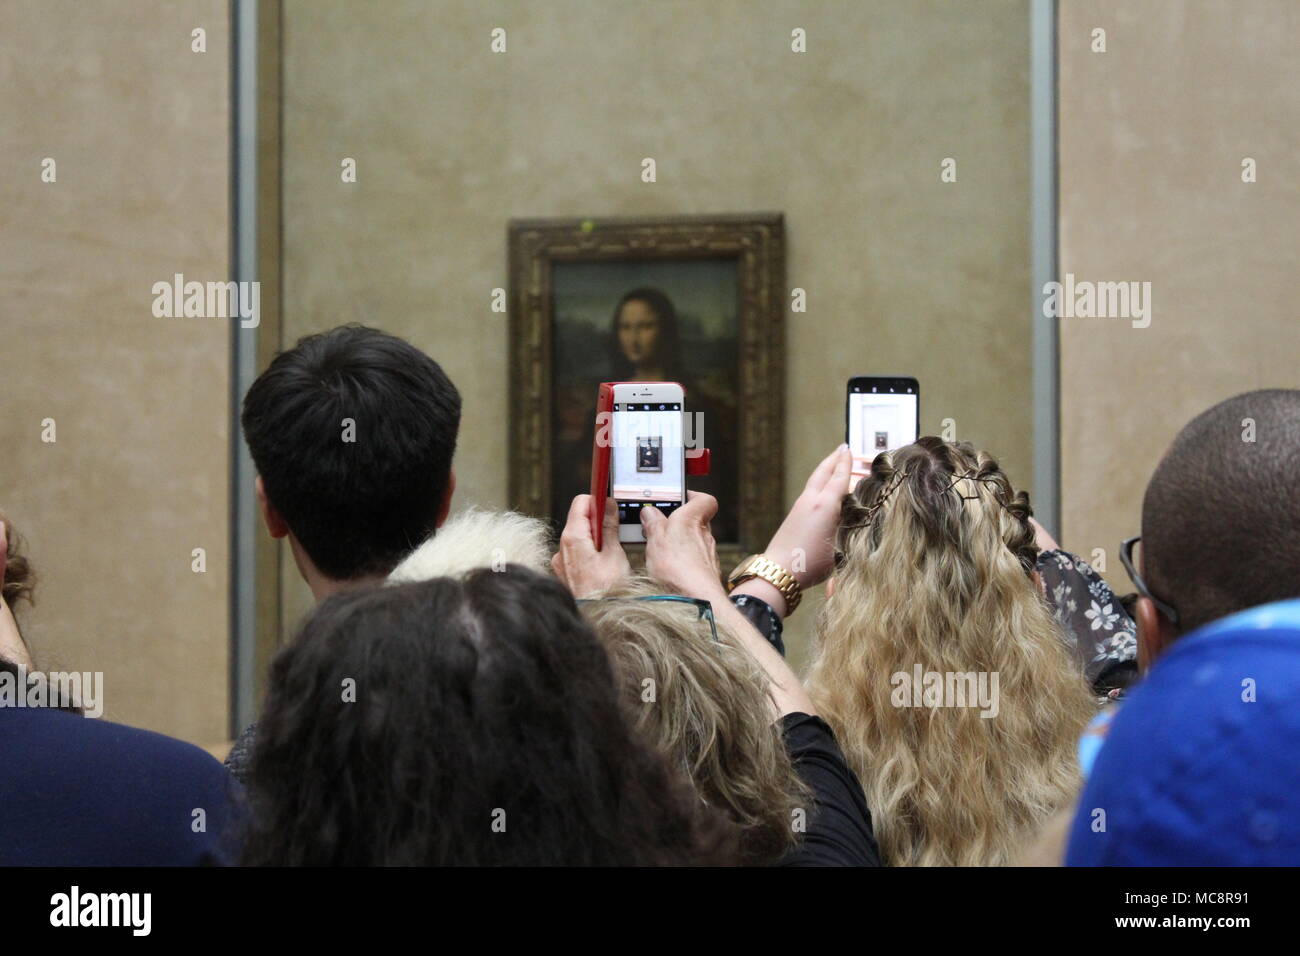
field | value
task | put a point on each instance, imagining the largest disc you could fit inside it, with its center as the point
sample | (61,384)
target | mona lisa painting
(695,300)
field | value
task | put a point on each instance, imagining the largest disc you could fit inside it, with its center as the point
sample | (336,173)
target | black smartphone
(881,413)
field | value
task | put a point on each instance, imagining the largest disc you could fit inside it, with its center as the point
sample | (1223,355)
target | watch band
(761,566)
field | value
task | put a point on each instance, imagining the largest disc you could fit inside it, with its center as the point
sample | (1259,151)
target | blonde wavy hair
(707,708)
(935,558)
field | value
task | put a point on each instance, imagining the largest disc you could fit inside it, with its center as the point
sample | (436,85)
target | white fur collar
(478,538)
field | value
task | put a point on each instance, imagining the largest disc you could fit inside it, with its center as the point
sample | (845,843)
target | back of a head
(940,666)
(1200,765)
(19,579)
(706,706)
(19,584)
(353,433)
(1220,526)
(469,721)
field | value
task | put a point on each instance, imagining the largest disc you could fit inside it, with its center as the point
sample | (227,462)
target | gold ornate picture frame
(748,452)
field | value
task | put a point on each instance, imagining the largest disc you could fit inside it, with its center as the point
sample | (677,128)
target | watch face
(740,568)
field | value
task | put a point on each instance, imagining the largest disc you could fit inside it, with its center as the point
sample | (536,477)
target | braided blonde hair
(935,556)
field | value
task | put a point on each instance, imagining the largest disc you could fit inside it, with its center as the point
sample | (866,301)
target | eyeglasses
(703,608)
(1126,558)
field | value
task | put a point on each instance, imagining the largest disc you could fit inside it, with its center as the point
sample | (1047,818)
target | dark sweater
(76,791)
(839,829)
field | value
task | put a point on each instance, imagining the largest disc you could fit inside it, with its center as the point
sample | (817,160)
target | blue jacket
(76,791)
(1201,766)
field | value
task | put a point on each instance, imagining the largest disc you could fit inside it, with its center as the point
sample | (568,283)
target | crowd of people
(467,691)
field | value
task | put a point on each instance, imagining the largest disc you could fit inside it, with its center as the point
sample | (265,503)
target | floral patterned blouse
(1096,625)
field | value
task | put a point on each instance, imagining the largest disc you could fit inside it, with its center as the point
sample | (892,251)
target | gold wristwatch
(761,566)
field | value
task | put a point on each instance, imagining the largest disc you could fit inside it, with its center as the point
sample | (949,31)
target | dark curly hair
(19,580)
(1220,526)
(485,729)
(19,583)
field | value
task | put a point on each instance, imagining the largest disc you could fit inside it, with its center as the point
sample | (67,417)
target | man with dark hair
(352,432)
(1199,766)
(1220,520)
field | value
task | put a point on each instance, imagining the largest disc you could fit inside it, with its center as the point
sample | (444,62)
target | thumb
(579,521)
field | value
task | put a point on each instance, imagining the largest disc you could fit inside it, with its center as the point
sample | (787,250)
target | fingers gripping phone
(881,413)
(640,443)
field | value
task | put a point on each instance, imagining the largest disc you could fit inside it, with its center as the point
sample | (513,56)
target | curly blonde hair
(935,559)
(706,705)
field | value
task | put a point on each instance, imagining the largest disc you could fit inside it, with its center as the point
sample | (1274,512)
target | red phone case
(600,460)
(697,460)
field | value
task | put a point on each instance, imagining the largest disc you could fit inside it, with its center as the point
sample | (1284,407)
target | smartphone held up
(881,413)
(639,453)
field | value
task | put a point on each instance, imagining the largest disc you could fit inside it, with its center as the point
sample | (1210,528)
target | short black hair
(358,506)
(470,722)
(1220,521)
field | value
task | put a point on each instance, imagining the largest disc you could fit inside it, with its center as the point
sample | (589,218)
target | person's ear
(830,585)
(274,522)
(1154,633)
(445,508)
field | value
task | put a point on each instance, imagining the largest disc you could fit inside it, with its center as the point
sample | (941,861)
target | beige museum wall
(137,477)
(904,274)
(1152,137)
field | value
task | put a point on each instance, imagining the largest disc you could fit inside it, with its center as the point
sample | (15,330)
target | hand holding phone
(581,564)
(681,553)
(639,453)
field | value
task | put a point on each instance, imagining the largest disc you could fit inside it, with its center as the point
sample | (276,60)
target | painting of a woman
(647,340)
